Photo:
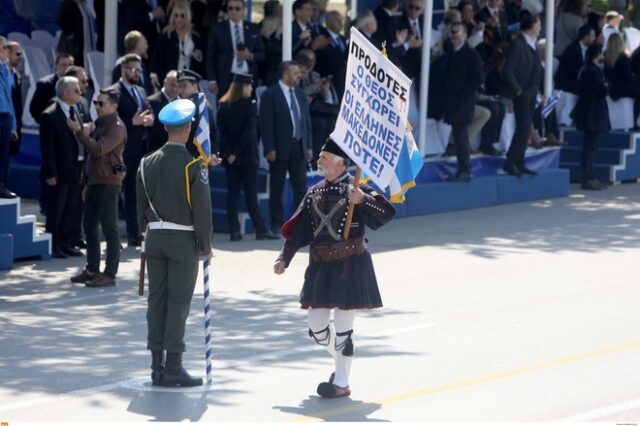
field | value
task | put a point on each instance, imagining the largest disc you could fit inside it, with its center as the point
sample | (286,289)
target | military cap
(243,78)
(180,111)
(188,75)
(334,148)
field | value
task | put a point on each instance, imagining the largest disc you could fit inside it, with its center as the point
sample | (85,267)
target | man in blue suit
(285,127)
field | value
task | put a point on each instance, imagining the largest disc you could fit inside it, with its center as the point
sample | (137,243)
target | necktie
(238,41)
(134,95)
(297,134)
(72,113)
(339,43)
(416,30)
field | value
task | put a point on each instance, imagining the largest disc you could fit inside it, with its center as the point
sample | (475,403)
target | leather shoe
(134,242)
(83,277)
(70,251)
(491,152)
(460,177)
(593,185)
(80,244)
(525,171)
(236,236)
(510,169)
(553,141)
(101,280)
(267,235)
(58,254)
(5,193)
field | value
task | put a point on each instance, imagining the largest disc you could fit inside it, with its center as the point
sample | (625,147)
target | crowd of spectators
(486,62)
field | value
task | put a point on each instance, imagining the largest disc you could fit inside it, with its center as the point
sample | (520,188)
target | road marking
(469,382)
(603,412)
(218,364)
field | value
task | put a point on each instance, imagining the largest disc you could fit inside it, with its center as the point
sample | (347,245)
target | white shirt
(287,95)
(583,49)
(186,49)
(531,41)
(235,68)
(66,109)
(415,26)
(607,30)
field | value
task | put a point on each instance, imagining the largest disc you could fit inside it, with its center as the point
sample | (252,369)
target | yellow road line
(469,382)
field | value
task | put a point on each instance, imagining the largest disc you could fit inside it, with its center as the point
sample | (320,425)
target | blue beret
(178,112)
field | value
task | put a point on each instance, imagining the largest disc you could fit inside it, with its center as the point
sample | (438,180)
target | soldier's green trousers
(172,262)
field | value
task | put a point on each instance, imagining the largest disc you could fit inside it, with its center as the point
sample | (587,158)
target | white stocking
(343,321)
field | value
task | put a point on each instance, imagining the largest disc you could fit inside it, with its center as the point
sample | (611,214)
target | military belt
(338,251)
(169,225)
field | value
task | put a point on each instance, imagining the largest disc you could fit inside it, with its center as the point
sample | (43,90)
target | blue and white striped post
(207,323)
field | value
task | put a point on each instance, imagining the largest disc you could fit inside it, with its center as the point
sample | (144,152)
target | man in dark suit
(463,80)
(142,16)
(411,20)
(572,59)
(332,60)
(303,33)
(235,46)
(169,92)
(61,165)
(389,29)
(285,127)
(494,16)
(135,112)
(522,73)
(46,86)
(136,42)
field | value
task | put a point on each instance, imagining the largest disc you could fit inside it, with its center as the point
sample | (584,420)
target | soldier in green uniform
(174,205)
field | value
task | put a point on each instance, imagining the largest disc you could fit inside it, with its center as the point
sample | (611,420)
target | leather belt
(169,225)
(338,251)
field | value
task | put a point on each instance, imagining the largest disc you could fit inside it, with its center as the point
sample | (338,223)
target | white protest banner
(373,115)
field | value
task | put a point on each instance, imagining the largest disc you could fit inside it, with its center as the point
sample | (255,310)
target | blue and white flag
(202,139)
(549,105)
(409,165)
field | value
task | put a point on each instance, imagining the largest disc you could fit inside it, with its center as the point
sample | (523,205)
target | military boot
(157,367)
(175,375)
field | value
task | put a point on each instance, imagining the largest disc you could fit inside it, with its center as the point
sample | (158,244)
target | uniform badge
(204,175)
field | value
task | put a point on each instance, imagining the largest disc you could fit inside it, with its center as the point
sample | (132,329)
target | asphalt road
(526,312)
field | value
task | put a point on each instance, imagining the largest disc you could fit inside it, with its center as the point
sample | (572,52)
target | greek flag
(202,139)
(409,165)
(549,105)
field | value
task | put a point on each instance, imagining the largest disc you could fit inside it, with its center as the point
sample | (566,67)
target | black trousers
(589,148)
(523,107)
(129,191)
(491,131)
(461,142)
(61,212)
(243,177)
(101,210)
(296,165)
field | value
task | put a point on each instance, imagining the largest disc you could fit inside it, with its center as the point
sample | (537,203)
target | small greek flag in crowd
(409,165)
(202,139)
(549,106)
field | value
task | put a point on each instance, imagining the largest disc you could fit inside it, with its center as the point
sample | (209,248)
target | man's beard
(320,171)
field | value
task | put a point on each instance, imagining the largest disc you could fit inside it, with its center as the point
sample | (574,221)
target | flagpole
(347,225)
(207,324)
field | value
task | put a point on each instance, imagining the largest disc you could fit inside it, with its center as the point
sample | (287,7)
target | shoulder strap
(146,193)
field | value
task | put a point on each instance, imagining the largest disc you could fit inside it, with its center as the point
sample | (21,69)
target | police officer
(188,89)
(340,274)
(174,204)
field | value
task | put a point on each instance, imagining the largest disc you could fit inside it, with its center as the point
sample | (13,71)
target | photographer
(105,171)
(324,103)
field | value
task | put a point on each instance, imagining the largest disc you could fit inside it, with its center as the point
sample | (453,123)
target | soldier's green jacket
(178,187)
